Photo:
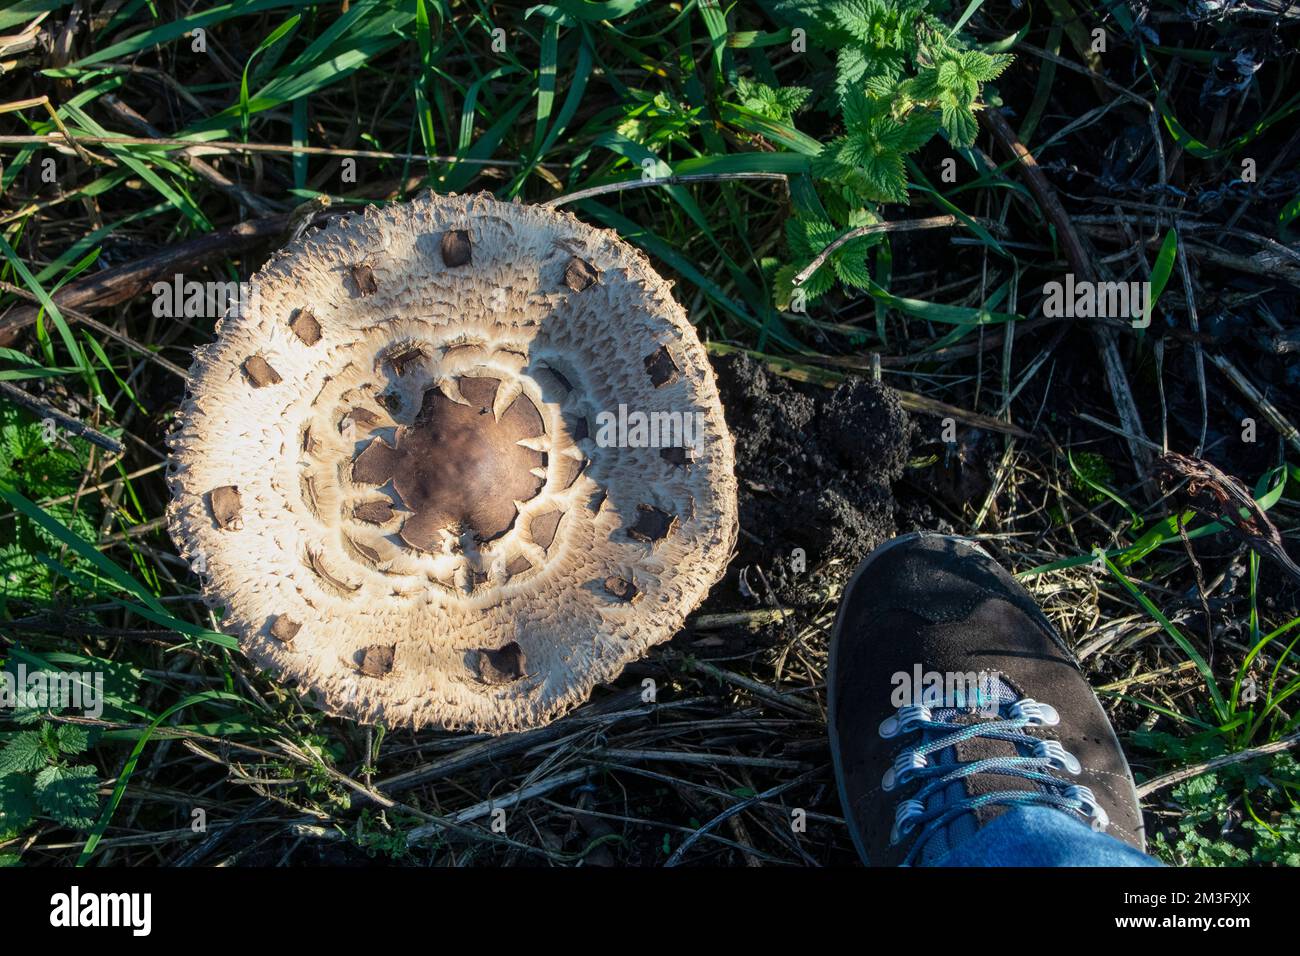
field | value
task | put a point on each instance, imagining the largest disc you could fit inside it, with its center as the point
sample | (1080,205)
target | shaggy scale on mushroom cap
(386,469)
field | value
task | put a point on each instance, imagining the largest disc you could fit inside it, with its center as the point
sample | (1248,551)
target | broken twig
(43,411)
(1223,498)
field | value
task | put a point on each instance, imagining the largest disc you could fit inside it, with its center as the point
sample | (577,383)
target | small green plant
(39,777)
(379,838)
(1091,470)
(38,462)
(901,76)
(778,103)
(1243,813)
(316,778)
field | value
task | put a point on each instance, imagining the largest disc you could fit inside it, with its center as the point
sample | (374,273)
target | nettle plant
(40,776)
(902,76)
(41,463)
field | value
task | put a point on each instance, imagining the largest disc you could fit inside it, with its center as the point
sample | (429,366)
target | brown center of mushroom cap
(457,465)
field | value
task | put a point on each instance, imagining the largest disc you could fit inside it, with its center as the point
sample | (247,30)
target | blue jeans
(1042,836)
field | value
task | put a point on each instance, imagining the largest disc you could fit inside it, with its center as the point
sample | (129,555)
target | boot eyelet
(1035,712)
(1060,758)
(903,816)
(904,721)
(905,765)
(1097,815)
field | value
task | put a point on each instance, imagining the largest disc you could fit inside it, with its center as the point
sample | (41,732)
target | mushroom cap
(394,466)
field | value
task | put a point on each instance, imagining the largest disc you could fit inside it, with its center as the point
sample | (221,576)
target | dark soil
(816,469)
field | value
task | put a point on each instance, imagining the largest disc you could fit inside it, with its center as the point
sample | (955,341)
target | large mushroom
(412,471)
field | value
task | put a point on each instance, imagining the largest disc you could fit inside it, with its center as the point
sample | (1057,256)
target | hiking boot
(953,699)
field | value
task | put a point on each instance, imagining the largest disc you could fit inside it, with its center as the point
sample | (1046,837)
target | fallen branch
(1223,498)
(111,286)
(901,225)
(487,807)
(43,411)
(1227,760)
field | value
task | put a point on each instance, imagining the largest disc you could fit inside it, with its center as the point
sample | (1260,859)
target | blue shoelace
(924,815)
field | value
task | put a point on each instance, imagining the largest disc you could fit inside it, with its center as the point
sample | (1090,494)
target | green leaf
(546,72)
(26,716)
(1200,150)
(966,15)
(960,123)
(859,110)
(777,104)
(876,171)
(781,133)
(885,86)
(859,17)
(924,87)
(72,739)
(809,236)
(17,806)
(839,156)
(792,98)
(276,35)
(886,26)
(173,29)
(69,794)
(852,269)
(913,133)
(24,10)
(424,42)
(1161,271)
(25,753)
(982,67)
(715,21)
(886,176)
(1288,214)
(813,288)
(851,64)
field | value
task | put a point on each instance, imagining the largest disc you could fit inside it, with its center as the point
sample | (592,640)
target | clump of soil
(815,468)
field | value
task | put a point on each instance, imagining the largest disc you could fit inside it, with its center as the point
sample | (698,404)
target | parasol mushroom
(388,472)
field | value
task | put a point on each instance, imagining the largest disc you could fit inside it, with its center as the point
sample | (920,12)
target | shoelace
(915,816)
